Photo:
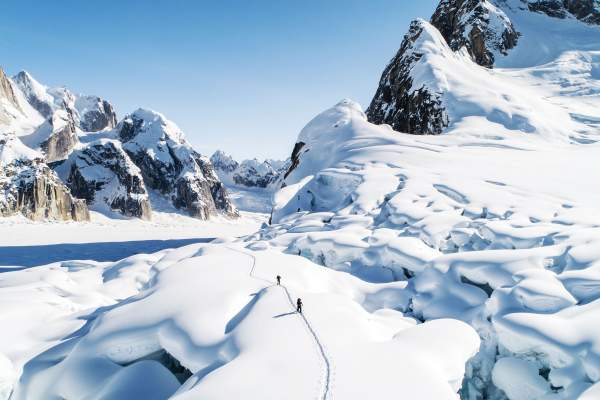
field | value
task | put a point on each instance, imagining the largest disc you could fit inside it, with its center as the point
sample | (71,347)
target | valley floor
(25,243)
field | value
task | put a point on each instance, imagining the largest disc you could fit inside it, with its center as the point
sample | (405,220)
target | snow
(231,324)
(29,243)
(430,267)
(508,246)
(12,149)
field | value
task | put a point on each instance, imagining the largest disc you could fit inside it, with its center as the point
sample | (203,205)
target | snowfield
(114,330)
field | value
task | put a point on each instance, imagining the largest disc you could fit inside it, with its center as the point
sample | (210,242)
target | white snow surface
(430,267)
(216,310)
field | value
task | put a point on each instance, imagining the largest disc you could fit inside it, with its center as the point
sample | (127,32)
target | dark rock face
(103,175)
(98,117)
(587,11)
(170,166)
(476,25)
(28,186)
(419,111)
(63,137)
(295,158)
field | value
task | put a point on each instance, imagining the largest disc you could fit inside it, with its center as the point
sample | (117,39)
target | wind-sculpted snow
(213,311)
(499,233)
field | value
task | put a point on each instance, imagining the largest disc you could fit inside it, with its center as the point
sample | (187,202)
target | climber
(278,280)
(299,306)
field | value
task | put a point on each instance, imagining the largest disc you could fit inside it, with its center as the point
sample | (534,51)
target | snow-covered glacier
(445,241)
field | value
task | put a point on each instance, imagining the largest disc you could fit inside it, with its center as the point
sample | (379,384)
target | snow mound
(498,234)
(205,315)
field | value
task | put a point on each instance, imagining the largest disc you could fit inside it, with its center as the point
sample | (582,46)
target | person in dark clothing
(278,280)
(299,306)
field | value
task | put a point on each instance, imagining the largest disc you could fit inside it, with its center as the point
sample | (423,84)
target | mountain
(29,187)
(104,176)
(113,165)
(248,173)
(489,214)
(66,114)
(479,68)
(171,166)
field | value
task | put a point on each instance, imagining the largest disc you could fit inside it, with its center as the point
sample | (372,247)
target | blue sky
(242,76)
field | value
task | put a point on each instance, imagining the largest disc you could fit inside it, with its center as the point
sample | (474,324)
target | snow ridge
(326,393)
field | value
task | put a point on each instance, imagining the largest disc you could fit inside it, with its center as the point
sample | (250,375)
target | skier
(278,280)
(299,306)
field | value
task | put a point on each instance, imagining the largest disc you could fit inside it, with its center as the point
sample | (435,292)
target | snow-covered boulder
(29,187)
(477,25)
(103,174)
(172,167)
(249,173)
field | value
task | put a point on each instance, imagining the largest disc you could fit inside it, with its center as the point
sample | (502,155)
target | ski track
(326,393)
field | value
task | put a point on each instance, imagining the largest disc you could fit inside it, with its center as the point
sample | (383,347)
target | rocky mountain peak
(103,174)
(6,90)
(171,166)
(479,26)
(403,99)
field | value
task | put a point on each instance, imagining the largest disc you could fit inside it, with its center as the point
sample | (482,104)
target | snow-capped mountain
(111,166)
(29,187)
(66,115)
(104,176)
(441,78)
(248,173)
(490,223)
(171,166)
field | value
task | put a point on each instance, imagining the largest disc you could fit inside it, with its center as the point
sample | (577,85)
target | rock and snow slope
(477,247)
(497,233)
(111,166)
(29,187)
(545,84)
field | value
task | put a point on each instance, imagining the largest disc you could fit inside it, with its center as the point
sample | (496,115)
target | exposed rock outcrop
(170,166)
(479,26)
(95,114)
(401,101)
(7,92)
(29,187)
(587,11)
(248,173)
(102,173)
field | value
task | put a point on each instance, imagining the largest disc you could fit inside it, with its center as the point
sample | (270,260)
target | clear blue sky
(243,76)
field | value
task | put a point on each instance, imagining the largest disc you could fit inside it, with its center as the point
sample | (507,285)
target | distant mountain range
(111,165)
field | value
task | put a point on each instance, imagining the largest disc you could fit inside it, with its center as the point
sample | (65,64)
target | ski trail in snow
(326,393)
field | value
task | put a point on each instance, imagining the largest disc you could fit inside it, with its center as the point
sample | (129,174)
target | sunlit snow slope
(208,322)
(504,237)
